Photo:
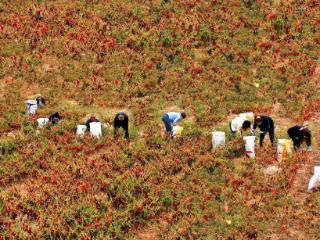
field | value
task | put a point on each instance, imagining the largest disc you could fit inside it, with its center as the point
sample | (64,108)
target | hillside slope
(211,58)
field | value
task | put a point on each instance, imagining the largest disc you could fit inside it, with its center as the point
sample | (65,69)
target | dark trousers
(271,135)
(166,121)
(297,142)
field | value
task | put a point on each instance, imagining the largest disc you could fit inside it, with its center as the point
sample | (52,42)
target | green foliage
(7,147)
(279,25)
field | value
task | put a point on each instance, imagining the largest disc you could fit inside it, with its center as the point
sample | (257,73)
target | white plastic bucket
(81,130)
(42,122)
(177,131)
(247,115)
(284,148)
(314,182)
(218,139)
(250,146)
(31,107)
(95,129)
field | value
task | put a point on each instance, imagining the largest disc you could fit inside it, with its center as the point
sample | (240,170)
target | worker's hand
(297,148)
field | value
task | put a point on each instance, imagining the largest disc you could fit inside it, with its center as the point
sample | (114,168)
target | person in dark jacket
(266,125)
(40,101)
(55,118)
(93,118)
(299,134)
(121,120)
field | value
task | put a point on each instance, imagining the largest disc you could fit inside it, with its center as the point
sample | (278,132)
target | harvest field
(211,58)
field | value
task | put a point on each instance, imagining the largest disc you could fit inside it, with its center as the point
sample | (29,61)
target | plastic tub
(218,139)
(42,122)
(315,179)
(177,131)
(284,148)
(247,115)
(95,129)
(81,130)
(250,146)
(31,107)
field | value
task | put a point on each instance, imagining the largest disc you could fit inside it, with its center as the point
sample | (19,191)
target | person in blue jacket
(266,125)
(172,119)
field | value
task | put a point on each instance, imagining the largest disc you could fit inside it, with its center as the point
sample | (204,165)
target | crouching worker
(172,118)
(55,118)
(266,125)
(238,125)
(92,119)
(299,134)
(121,120)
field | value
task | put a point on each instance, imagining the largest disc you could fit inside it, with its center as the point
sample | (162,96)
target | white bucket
(218,139)
(95,129)
(42,122)
(81,130)
(31,107)
(248,115)
(177,131)
(250,146)
(315,179)
(284,148)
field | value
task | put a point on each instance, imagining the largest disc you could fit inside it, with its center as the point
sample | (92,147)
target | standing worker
(121,120)
(266,125)
(298,134)
(172,118)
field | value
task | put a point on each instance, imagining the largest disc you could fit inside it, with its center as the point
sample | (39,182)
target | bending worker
(238,125)
(172,118)
(266,125)
(121,120)
(299,134)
